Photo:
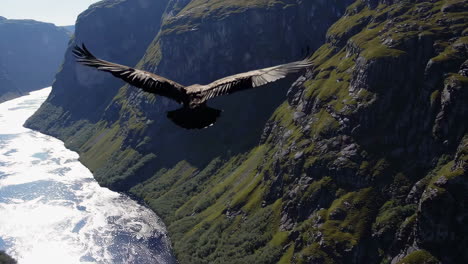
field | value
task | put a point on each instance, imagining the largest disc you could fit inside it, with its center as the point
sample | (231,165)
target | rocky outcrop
(4,258)
(379,112)
(70,29)
(362,160)
(31,55)
(7,89)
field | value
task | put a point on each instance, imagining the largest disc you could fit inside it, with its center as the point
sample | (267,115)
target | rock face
(362,160)
(70,29)
(8,90)
(4,258)
(116,30)
(31,53)
(187,50)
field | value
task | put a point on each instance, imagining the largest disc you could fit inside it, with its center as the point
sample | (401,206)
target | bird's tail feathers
(198,118)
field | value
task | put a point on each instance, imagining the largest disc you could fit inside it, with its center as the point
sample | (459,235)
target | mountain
(361,160)
(5,259)
(31,53)
(8,90)
(70,29)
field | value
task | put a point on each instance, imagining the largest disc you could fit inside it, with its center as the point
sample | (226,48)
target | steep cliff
(5,259)
(214,46)
(31,53)
(116,30)
(364,160)
(8,90)
(70,29)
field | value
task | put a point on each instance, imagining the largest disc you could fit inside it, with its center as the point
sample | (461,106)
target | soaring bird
(194,114)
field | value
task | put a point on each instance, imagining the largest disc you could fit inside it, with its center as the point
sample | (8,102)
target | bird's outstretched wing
(147,81)
(248,80)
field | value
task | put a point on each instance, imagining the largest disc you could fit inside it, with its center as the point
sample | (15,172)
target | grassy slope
(222,213)
(197,10)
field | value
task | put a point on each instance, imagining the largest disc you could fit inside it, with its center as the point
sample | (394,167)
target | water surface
(53,211)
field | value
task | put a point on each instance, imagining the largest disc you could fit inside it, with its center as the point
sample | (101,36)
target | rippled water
(53,211)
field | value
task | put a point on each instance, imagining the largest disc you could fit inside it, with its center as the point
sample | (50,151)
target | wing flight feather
(147,81)
(249,79)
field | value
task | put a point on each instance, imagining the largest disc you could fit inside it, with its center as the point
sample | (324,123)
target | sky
(59,12)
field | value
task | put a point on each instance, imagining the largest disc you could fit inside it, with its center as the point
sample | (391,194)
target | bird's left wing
(249,79)
(147,81)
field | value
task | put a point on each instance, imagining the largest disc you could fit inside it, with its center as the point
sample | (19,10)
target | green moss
(324,53)
(463,149)
(316,186)
(287,257)
(348,220)
(329,87)
(380,51)
(350,22)
(369,42)
(447,172)
(189,16)
(152,56)
(206,180)
(247,240)
(256,198)
(448,54)
(458,78)
(409,222)
(313,252)
(435,96)
(284,115)
(198,8)
(279,238)
(419,257)
(99,148)
(325,123)
(156,188)
(391,216)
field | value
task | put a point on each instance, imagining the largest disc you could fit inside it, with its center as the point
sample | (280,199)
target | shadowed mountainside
(5,259)
(31,53)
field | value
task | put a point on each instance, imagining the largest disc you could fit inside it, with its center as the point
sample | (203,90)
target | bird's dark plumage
(195,113)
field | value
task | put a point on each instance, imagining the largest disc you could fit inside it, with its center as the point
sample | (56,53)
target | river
(53,211)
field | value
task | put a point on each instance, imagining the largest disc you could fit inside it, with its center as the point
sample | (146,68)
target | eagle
(194,113)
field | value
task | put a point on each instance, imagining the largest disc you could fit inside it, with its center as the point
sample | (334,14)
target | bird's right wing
(147,81)
(249,79)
